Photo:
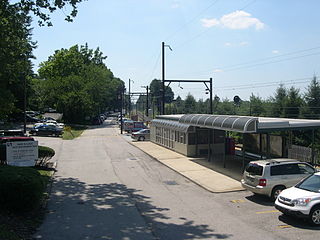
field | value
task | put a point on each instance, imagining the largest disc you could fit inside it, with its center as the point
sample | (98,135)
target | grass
(71,132)
(6,233)
(19,226)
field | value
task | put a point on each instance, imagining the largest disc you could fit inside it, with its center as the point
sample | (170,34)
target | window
(305,169)
(191,138)
(254,169)
(285,169)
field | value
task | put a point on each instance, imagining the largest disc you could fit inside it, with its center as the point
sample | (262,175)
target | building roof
(243,124)
(174,125)
(222,122)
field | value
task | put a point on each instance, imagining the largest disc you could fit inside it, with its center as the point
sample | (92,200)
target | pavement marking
(238,201)
(284,226)
(271,211)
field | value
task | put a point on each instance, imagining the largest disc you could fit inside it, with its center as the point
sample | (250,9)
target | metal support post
(147,108)
(129,107)
(312,150)
(163,78)
(121,112)
(211,106)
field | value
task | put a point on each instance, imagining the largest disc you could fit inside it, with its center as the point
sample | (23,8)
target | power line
(155,65)
(201,33)
(262,60)
(191,20)
(268,83)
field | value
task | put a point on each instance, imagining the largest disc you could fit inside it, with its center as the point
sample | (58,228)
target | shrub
(21,188)
(44,155)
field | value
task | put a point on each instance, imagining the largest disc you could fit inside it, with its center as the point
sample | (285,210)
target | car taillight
(262,182)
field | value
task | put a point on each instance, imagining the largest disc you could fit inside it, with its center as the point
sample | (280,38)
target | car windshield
(311,184)
(254,169)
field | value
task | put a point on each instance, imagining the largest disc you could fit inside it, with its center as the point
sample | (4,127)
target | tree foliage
(42,9)
(16,51)
(76,82)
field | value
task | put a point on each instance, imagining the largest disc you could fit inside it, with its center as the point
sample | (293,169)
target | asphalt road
(106,188)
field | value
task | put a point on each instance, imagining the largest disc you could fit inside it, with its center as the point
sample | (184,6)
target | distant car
(302,200)
(61,125)
(142,135)
(96,121)
(46,130)
(32,119)
(269,177)
(12,132)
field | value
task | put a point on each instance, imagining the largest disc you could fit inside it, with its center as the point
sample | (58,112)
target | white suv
(302,200)
(269,177)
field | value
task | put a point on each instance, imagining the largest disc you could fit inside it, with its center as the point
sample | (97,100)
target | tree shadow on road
(112,211)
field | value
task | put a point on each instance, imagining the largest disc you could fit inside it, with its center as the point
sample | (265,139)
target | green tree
(256,106)
(190,104)
(42,9)
(278,102)
(156,93)
(293,103)
(225,107)
(78,83)
(16,51)
(312,98)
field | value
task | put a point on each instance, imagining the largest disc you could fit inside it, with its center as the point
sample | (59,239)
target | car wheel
(141,138)
(276,191)
(314,216)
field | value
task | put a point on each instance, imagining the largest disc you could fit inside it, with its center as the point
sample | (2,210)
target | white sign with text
(24,153)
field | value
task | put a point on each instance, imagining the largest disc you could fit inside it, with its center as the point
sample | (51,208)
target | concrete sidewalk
(204,177)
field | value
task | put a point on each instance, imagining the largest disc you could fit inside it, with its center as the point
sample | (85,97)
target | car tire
(141,138)
(276,191)
(314,216)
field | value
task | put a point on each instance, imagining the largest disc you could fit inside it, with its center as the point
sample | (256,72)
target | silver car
(141,135)
(269,177)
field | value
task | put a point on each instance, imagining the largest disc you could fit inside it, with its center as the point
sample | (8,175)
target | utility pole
(163,77)
(147,108)
(129,107)
(121,112)
(25,106)
(211,107)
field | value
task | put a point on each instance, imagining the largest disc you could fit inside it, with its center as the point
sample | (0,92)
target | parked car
(269,177)
(96,121)
(32,119)
(302,200)
(142,135)
(61,125)
(12,132)
(46,130)
(133,126)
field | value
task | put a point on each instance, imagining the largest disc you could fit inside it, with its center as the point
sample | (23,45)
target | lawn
(71,132)
(19,226)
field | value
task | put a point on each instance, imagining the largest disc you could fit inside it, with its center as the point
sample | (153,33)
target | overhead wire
(261,60)
(201,33)
(192,19)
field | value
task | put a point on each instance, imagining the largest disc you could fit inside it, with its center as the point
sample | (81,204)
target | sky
(246,46)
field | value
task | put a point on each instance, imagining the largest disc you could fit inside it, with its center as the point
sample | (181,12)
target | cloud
(208,23)
(217,70)
(229,44)
(243,43)
(234,20)
(275,51)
